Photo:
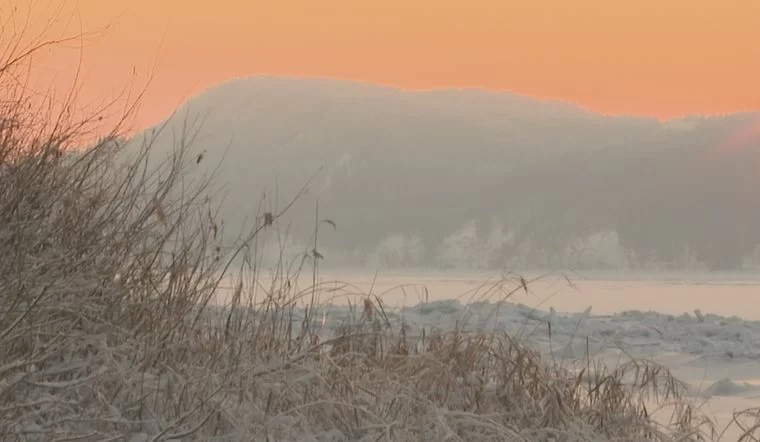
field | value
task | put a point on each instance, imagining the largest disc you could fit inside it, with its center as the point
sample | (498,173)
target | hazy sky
(650,57)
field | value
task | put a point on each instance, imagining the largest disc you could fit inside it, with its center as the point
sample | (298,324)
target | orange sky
(665,58)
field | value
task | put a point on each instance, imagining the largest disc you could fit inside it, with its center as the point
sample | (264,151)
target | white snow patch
(641,333)
(728,387)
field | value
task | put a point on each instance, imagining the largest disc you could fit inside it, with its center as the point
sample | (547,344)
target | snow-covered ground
(705,329)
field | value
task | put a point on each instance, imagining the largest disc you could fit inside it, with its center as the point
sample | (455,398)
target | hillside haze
(474,179)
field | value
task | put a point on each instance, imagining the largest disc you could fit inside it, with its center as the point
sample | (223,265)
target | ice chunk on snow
(727,387)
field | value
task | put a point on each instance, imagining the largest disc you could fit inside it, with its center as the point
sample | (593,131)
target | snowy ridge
(640,333)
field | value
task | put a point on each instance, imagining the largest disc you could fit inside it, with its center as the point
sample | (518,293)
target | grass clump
(109,330)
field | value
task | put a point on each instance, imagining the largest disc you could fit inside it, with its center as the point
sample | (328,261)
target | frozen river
(705,328)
